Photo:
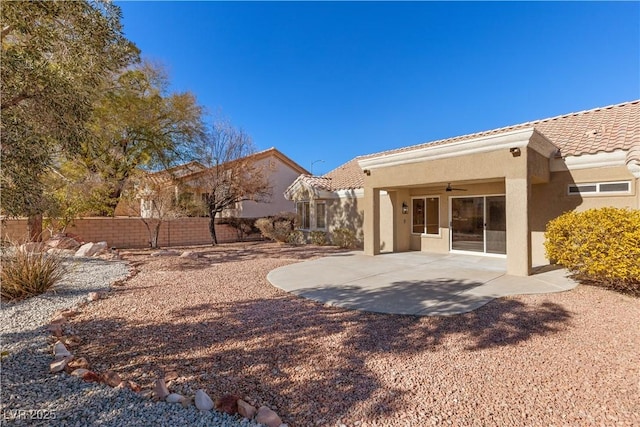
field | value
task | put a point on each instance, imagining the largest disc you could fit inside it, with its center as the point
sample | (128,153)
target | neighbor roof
(604,129)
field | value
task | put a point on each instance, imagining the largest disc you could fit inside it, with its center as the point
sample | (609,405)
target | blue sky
(333,80)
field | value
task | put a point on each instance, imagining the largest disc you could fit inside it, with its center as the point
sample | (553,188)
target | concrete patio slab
(414,283)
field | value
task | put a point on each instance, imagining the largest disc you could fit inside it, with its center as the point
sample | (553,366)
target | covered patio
(413,283)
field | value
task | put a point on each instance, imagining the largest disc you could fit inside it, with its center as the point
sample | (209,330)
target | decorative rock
(59,365)
(79,372)
(72,341)
(91,249)
(246,410)
(227,404)
(91,377)
(165,252)
(63,243)
(174,398)
(189,254)
(79,363)
(112,379)
(170,376)
(60,351)
(160,389)
(94,296)
(203,401)
(267,417)
(61,252)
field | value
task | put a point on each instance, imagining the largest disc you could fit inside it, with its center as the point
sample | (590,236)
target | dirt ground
(558,359)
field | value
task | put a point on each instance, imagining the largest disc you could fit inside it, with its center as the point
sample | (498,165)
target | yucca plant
(25,273)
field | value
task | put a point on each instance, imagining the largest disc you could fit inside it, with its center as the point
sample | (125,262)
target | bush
(296,238)
(26,273)
(243,226)
(318,237)
(277,227)
(601,246)
(344,238)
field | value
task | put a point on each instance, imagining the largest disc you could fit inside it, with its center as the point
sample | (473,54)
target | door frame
(484,229)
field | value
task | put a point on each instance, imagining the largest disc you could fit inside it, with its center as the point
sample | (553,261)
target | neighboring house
(489,193)
(190,189)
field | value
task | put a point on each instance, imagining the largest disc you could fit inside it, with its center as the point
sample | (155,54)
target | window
(425,215)
(303,213)
(321,210)
(620,187)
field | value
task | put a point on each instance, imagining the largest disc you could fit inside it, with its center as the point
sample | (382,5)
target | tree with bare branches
(233,176)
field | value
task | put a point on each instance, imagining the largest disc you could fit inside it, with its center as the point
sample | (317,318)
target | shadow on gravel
(309,360)
(237,252)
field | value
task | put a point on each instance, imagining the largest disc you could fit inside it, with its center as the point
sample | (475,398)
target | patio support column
(371,221)
(518,194)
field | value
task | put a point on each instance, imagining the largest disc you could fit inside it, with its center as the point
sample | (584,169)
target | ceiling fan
(450,188)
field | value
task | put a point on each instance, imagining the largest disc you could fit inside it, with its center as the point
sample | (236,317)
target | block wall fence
(128,232)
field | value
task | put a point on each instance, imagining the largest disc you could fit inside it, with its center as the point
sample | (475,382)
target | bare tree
(233,175)
(154,199)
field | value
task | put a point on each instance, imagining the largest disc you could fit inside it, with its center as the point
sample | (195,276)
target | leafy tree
(233,175)
(138,125)
(55,55)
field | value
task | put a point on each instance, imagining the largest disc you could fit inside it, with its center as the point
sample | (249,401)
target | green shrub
(296,237)
(601,246)
(24,273)
(318,237)
(344,238)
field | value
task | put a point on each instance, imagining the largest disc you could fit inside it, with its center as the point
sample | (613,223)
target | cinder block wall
(131,232)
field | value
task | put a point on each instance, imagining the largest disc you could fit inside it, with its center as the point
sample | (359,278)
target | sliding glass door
(478,224)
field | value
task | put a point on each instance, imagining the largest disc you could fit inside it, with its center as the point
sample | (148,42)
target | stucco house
(189,187)
(489,193)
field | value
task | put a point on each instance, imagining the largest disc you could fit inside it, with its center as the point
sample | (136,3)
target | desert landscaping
(211,321)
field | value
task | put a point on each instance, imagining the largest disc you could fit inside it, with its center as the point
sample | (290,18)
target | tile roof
(604,129)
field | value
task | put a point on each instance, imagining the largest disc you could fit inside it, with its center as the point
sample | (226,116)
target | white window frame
(598,191)
(424,230)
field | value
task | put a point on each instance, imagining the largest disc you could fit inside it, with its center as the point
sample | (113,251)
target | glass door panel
(467,224)
(496,222)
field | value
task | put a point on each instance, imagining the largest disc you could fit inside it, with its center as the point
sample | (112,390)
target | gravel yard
(559,359)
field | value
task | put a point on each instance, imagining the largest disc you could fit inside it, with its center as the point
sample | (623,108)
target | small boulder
(91,249)
(111,378)
(60,351)
(227,404)
(203,401)
(174,398)
(94,296)
(246,410)
(79,363)
(267,417)
(189,255)
(165,252)
(91,377)
(79,372)
(60,364)
(160,390)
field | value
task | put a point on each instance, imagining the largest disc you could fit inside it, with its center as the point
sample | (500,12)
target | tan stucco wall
(280,176)
(552,200)
(495,166)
